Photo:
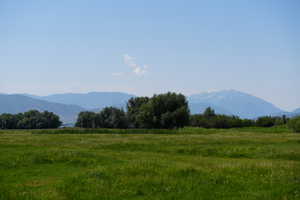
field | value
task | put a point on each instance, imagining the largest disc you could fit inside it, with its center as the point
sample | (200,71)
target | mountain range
(20,103)
(92,100)
(67,106)
(233,102)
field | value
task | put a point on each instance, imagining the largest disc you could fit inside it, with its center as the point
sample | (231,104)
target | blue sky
(145,47)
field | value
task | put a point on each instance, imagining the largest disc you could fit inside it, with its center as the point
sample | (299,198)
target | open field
(191,164)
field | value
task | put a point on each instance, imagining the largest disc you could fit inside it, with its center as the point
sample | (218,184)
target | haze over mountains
(233,102)
(92,100)
(20,103)
(67,106)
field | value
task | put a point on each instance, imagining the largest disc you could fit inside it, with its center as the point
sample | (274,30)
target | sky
(144,47)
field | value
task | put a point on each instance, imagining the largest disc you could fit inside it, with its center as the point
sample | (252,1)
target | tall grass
(221,165)
(186,130)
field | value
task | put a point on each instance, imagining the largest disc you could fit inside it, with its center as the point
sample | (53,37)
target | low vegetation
(180,131)
(196,163)
(209,119)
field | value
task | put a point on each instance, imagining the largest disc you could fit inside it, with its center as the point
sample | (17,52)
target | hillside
(295,113)
(68,105)
(18,103)
(92,100)
(297,110)
(233,102)
(197,108)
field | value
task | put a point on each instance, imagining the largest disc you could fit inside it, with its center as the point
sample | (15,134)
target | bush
(294,124)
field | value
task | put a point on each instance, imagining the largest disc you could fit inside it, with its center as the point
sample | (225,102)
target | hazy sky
(152,46)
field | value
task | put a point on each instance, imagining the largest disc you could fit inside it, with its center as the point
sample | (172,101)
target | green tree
(8,121)
(51,120)
(294,124)
(87,120)
(134,108)
(266,121)
(111,117)
(211,120)
(168,110)
(32,119)
(209,112)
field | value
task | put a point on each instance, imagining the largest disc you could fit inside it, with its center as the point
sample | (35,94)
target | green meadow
(189,163)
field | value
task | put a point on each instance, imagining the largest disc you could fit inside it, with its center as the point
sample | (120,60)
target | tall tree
(111,117)
(209,112)
(168,110)
(86,120)
(133,109)
(32,119)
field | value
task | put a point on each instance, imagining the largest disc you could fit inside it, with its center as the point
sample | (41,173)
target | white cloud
(136,69)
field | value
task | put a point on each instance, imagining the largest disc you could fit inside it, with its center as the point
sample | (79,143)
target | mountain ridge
(17,103)
(238,103)
(90,100)
(68,105)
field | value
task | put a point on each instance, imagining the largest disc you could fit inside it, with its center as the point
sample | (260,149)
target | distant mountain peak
(297,110)
(67,105)
(235,102)
(17,103)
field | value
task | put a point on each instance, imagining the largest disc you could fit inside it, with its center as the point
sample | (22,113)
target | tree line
(164,111)
(209,119)
(167,111)
(30,120)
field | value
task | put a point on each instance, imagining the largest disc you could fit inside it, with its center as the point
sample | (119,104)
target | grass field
(186,164)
